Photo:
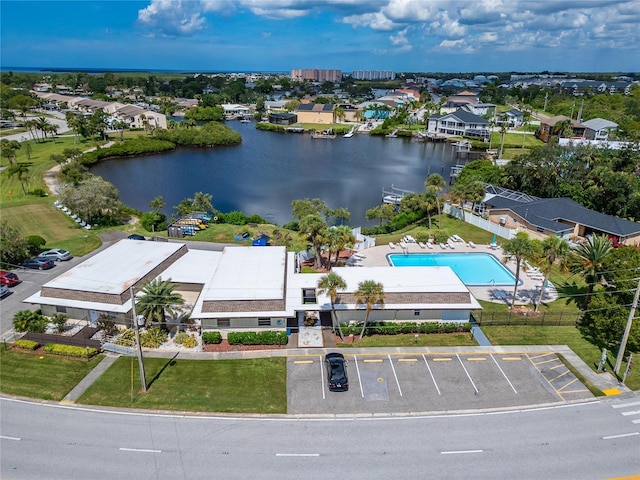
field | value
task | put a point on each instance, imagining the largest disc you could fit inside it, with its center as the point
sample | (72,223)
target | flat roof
(195,266)
(116,268)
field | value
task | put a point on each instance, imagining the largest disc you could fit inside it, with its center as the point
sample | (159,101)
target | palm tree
(314,228)
(520,247)
(330,284)
(369,293)
(588,260)
(553,249)
(158,300)
(21,171)
(435,184)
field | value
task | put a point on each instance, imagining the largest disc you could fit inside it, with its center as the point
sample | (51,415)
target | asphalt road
(592,440)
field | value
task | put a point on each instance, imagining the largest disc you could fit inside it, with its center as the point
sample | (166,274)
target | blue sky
(278,35)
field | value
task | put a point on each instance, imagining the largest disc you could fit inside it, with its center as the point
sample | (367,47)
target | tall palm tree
(314,228)
(329,284)
(520,247)
(157,300)
(21,171)
(435,184)
(588,260)
(552,249)
(369,293)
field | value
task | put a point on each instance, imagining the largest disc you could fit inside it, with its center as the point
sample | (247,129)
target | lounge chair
(430,245)
(422,245)
(392,245)
(443,246)
(451,245)
(471,244)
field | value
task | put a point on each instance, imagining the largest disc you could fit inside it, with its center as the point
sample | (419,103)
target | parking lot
(432,382)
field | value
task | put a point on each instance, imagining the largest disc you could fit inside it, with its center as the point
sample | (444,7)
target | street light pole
(143,379)
(627,330)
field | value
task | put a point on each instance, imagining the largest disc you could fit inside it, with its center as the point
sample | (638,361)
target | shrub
(153,338)
(259,338)
(190,342)
(127,339)
(398,328)
(107,325)
(35,244)
(180,338)
(28,321)
(70,350)
(26,344)
(210,338)
(60,321)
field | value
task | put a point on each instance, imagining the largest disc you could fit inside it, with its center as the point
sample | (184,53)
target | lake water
(269,170)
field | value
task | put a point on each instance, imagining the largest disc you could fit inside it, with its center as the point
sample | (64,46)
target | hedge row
(257,338)
(209,338)
(70,350)
(26,344)
(393,328)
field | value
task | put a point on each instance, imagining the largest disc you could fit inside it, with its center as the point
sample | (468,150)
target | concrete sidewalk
(87,381)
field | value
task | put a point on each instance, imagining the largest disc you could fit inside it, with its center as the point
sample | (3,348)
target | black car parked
(336,372)
(39,263)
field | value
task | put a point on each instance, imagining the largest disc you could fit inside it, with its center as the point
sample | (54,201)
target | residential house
(598,128)
(316,113)
(513,118)
(461,123)
(549,128)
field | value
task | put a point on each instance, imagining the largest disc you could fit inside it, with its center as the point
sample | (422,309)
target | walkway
(87,381)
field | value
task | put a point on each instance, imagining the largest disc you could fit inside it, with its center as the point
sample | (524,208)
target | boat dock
(430,137)
(394,195)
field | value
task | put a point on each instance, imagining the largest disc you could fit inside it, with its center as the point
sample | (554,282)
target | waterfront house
(461,123)
(316,113)
(550,127)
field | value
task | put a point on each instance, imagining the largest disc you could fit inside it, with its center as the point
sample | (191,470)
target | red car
(8,278)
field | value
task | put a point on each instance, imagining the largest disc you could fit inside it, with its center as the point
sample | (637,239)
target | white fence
(479,222)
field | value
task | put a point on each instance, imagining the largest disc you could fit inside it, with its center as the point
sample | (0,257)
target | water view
(269,170)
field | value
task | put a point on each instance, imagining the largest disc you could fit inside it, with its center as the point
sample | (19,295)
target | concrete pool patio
(527,292)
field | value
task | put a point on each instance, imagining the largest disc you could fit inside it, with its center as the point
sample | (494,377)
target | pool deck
(527,293)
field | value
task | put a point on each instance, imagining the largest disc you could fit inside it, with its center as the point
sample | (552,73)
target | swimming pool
(474,269)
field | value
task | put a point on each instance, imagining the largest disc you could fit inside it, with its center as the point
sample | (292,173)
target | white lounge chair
(392,245)
(471,244)
(443,246)
(430,245)
(451,245)
(422,245)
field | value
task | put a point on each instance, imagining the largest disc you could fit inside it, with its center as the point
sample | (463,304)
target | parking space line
(561,375)
(542,355)
(442,359)
(322,378)
(372,360)
(557,366)
(355,359)
(296,362)
(546,361)
(476,359)
(407,359)
(394,374)
(431,373)
(569,383)
(504,374)
(545,378)
(511,358)
(465,371)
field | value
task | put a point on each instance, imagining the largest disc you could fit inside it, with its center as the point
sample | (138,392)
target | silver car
(57,254)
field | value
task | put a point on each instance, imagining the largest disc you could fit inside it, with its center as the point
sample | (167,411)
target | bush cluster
(70,350)
(26,344)
(393,328)
(270,127)
(211,338)
(130,147)
(257,338)
(127,339)
(400,221)
(186,340)
(153,338)
(28,321)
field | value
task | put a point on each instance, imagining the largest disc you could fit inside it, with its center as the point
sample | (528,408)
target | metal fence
(509,318)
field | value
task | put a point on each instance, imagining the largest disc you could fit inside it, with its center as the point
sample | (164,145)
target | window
(416,313)
(61,309)
(224,322)
(264,322)
(309,295)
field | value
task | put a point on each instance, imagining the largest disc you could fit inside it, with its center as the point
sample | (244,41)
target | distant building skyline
(277,36)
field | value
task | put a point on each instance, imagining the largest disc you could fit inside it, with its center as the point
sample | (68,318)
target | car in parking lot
(336,372)
(8,278)
(135,236)
(39,263)
(56,254)
(4,291)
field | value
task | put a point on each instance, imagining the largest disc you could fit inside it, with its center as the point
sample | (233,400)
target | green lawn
(45,377)
(238,386)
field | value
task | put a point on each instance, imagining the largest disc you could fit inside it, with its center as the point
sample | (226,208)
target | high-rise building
(316,75)
(373,75)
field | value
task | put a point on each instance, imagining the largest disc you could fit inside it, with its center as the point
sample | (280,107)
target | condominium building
(316,75)
(373,75)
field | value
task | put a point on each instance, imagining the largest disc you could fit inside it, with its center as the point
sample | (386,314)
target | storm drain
(374,386)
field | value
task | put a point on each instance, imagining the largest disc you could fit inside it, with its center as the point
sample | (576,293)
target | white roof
(117,268)
(38,299)
(195,266)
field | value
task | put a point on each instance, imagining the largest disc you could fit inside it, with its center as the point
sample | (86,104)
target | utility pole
(627,330)
(143,379)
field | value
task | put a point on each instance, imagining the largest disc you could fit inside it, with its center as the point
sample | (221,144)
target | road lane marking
(635,421)
(621,436)
(297,454)
(625,405)
(468,376)
(504,374)
(630,413)
(394,374)
(5,437)
(141,450)
(452,452)
(431,373)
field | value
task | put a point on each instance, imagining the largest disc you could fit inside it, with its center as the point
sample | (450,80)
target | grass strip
(226,386)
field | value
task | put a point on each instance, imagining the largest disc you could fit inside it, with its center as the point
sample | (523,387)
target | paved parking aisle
(401,383)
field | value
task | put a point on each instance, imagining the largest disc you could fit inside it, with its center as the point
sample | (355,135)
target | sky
(348,35)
